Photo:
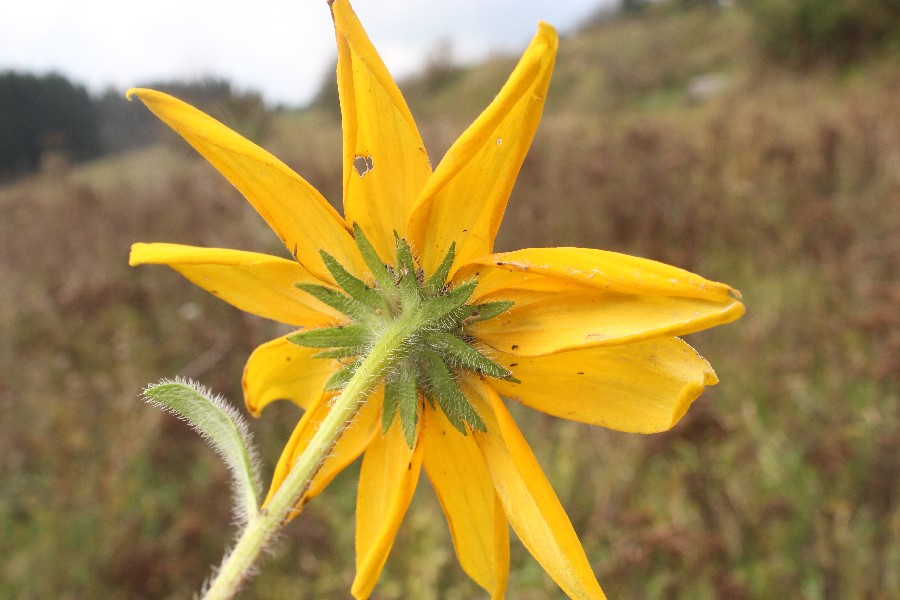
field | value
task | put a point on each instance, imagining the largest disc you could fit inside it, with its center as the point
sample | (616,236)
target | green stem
(263,526)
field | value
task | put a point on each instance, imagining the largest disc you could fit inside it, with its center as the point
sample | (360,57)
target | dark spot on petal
(515,346)
(363,164)
(409,467)
(580,372)
(513,365)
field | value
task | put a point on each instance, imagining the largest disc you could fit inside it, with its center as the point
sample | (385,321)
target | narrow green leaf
(355,287)
(454,350)
(488,310)
(379,270)
(347,305)
(345,352)
(409,408)
(401,392)
(406,271)
(443,388)
(441,306)
(405,261)
(436,282)
(332,337)
(472,313)
(404,392)
(391,404)
(341,377)
(225,430)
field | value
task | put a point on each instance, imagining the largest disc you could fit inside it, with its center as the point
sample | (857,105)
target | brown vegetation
(782,481)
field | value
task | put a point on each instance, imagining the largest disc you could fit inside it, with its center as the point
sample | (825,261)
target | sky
(282,48)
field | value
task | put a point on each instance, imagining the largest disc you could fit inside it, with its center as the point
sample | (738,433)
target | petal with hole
(385,162)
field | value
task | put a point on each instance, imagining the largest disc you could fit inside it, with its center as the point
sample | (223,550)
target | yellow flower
(577,333)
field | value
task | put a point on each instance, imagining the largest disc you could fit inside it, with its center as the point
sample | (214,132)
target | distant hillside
(695,45)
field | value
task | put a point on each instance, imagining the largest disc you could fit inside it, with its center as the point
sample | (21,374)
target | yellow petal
(531,504)
(463,486)
(643,388)
(601,269)
(465,199)
(492,280)
(295,210)
(385,162)
(567,298)
(280,370)
(353,441)
(542,322)
(253,282)
(388,478)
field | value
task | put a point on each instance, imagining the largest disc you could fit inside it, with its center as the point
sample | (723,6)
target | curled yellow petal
(353,441)
(465,198)
(385,162)
(568,298)
(463,486)
(609,271)
(253,282)
(531,504)
(387,480)
(543,322)
(280,370)
(295,210)
(644,387)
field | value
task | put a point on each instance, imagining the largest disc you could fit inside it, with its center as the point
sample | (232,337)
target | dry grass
(783,480)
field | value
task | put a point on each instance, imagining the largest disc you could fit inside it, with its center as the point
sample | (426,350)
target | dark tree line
(43,115)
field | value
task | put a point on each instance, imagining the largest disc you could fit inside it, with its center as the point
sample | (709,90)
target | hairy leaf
(331,337)
(223,427)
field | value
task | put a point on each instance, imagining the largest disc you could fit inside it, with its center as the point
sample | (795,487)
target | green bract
(429,358)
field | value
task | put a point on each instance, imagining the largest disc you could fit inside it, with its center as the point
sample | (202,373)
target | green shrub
(808,31)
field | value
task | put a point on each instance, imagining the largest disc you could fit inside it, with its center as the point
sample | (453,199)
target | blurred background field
(757,144)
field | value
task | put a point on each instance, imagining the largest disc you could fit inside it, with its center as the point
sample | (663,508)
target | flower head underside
(578,333)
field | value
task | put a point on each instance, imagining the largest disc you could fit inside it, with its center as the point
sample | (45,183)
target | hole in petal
(363,164)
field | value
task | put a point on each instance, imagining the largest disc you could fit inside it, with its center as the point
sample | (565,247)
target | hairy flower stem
(263,526)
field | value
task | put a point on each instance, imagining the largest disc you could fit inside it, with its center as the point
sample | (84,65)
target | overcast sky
(282,48)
